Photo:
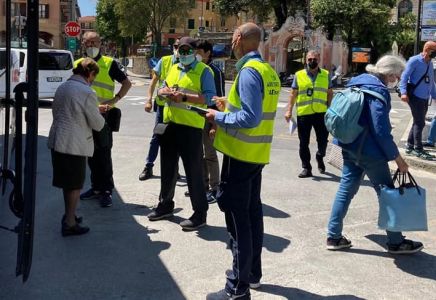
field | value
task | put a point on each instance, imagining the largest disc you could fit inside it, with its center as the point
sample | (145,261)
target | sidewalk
(415,162)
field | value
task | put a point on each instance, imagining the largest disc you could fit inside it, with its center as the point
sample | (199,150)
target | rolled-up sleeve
(381,129)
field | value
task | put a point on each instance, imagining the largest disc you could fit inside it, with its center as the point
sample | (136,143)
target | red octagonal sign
(72,29)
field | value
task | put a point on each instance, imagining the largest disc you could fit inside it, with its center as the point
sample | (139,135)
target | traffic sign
(72,44)
(72,29)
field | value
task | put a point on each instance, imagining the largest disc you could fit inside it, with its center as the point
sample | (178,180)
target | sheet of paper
(292,125)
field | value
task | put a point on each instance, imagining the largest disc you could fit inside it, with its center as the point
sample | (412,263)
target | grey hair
(387,65)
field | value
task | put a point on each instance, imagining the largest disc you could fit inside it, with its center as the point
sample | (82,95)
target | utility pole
(418,28)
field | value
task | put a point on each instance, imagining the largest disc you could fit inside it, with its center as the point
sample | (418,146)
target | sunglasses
(312,59)
(185,51)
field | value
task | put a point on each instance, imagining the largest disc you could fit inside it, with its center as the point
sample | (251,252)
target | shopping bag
(403,208)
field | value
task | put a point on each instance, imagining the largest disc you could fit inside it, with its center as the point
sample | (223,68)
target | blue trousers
(239,199)
(432,133)
(378,173)
(154,142)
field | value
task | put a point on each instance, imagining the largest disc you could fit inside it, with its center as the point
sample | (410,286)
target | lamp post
(418,27)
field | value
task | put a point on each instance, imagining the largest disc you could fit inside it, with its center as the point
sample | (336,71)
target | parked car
(15,70)
(55,67)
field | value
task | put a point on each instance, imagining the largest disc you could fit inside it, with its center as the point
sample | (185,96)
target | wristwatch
(184,98)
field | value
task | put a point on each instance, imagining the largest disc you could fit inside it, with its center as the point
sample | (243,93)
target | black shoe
(90,194)
(196,221)
(106,199)
(337,244)
(321,165)
(428,145)
(78,219)
(74,230)
(187,194)
(160,212)
(305,173)
(406,247)
(211,196)
(147,173)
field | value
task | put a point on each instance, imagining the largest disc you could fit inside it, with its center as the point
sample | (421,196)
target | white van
(15,71)
(55,67)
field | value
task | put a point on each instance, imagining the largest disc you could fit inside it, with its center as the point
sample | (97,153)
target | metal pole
(418,28)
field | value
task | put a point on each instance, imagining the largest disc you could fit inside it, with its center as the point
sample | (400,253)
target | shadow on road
(294,293)
(117,259)
(269,211)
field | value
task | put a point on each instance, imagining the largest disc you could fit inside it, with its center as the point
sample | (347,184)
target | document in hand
(292,125)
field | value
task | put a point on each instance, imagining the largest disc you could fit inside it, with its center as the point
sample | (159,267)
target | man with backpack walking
(312,93)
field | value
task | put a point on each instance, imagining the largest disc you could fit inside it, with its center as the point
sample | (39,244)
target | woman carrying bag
(370,153)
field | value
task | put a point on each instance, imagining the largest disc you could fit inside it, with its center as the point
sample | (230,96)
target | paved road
(127,257)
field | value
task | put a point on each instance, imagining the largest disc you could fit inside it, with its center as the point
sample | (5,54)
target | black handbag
(113,119)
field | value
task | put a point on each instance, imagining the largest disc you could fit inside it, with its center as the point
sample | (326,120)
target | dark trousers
(100,163)
(304,126)
(419,109)
(185,142)
(154,142)
(239,199)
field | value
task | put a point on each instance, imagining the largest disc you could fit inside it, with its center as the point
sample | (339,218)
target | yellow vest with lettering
(252,145)
(189,83)
(316,102)
(103,84)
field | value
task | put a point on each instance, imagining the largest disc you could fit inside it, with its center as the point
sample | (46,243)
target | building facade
(87,23)
(53,15)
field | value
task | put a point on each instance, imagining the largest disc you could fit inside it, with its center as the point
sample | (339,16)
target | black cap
(188,41)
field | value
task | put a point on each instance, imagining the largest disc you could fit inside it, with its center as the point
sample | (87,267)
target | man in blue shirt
(419,72)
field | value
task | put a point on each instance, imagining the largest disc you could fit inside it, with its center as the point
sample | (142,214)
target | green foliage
(404,32)
(364,22)
(107,20)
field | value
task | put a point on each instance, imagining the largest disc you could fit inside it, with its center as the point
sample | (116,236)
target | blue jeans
(432,132)
(378,173)
(154,142)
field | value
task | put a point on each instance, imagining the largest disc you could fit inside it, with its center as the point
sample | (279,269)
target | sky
(87,7)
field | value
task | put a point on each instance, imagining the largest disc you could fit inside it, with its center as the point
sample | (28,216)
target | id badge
(160,128)
(309,92)
(427,79)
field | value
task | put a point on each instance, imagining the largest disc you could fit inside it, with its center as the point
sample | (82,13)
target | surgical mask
(433,54)
(187,59)
(392,84)
(199,57)
(92,52)
(313,64)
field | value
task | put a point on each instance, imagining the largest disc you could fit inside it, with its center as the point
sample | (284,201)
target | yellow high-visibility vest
(252,145)
(190,83)
(166,64)
(103,84)
(312,96)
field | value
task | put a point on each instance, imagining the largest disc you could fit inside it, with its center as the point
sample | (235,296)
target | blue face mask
(186,59)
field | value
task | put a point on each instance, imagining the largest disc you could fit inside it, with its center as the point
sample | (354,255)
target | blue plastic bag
(403,208)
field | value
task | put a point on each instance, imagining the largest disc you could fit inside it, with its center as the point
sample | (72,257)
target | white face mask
(199,57)
(392,84)
(92,52)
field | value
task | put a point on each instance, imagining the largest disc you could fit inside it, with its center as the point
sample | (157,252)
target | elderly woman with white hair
(370,153)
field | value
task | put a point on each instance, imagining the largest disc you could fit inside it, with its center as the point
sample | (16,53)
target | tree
(262,8)
(141,16)
(404,32)
(365,22)
(107,20)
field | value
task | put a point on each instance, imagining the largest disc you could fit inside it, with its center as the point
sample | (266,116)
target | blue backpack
(342,117)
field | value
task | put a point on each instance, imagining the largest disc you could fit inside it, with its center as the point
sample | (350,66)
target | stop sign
(72,29)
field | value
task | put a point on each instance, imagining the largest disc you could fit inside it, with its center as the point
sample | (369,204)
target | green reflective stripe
(320,89)
(247,138)
(269,116)
(178,105)
(190,91)
(304,103)
(103,85)
(302,92)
